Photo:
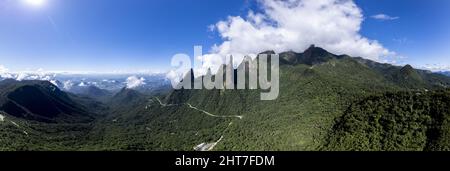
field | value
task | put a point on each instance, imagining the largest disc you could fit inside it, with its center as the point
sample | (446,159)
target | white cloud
(39,74)
(67,85)
(4,72)
(436,67)
(384,17)
(55,82)
(82,84)
(3,69)
(175,76)
(22,76)
(295,25)
(134,82)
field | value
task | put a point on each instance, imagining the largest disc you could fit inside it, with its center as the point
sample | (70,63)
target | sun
(35,2)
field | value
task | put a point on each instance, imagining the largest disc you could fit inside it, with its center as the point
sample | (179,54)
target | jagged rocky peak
(268,52)
(408,67)
(408,70)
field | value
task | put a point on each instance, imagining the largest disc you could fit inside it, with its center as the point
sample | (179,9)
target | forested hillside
(326,102)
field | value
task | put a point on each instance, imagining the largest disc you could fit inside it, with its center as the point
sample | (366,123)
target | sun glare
(35,2)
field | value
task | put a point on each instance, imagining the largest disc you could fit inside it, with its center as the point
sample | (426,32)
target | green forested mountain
(412,121)
(92,92)
(314,91)
(40,101)
(326,102)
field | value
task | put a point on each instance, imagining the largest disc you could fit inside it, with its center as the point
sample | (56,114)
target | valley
(200,110)
(203,146)
(326,102)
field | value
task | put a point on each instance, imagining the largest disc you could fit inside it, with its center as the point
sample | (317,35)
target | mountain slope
(407,77)
(92,92)
(313,93)
(316,87)
(446,73)
(41,101)
(127,97)
(318,90)
(405,121)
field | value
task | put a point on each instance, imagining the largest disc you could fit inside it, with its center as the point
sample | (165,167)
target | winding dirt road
(204,146)
(200,110)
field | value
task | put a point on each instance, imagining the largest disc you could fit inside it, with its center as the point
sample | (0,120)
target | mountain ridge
(39,100)
(314,94)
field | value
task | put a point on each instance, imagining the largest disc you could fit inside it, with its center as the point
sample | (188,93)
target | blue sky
(421,34)
(132,35)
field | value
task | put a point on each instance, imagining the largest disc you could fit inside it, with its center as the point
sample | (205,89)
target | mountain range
(326,102)
(41,101)
(447,73)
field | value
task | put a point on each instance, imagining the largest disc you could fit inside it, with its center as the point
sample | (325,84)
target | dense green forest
(402,121)
(326,102)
